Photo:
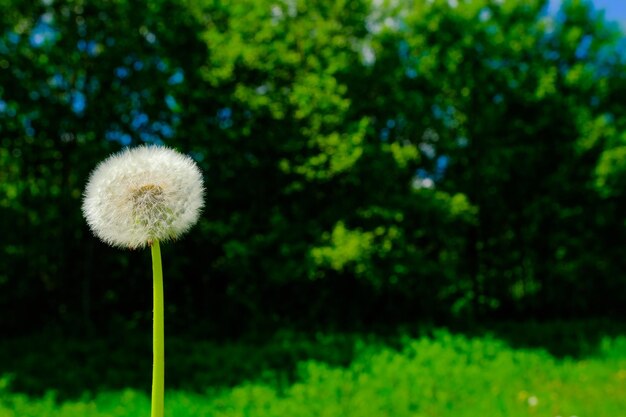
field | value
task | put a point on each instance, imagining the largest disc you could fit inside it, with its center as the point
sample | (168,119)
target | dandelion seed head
(143,194)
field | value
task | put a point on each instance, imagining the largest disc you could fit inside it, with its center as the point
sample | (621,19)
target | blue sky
(614,10)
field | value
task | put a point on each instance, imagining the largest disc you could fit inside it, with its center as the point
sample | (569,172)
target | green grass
(441,374)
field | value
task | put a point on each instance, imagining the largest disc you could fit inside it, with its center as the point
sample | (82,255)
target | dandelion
(140,197)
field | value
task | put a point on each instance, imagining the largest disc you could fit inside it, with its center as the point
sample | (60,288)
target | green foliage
(444,375)
(427,158)
(345,246)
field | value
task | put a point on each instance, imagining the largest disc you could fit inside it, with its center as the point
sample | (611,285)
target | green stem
(158,335)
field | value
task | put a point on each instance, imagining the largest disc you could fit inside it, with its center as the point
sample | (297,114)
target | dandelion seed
(143,194)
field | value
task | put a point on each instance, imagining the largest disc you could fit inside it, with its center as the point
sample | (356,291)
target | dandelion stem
(158,335)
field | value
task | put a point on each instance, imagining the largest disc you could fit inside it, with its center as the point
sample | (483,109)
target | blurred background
(413,208)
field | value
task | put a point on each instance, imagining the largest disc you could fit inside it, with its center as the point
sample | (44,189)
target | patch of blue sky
(614,10)
(91,48)
(147,131)
(117,136)
(422,173)
(122,72)
(79,102)
(42,34)
(57,81)
(139,120)
(411,73)
(172,104)
(224,113)
(426,179)
(225,117)
(167,131)
(177,78)
(440,166)
(164,129)
(583,48)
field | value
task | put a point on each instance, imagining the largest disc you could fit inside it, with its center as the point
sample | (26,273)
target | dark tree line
(363,161)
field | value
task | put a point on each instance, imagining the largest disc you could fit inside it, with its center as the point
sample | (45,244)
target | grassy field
(437,374)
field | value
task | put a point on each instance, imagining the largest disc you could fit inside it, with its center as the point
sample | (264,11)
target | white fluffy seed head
(143,194)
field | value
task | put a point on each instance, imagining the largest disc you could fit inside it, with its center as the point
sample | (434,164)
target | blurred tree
(364,160)
(510,98)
